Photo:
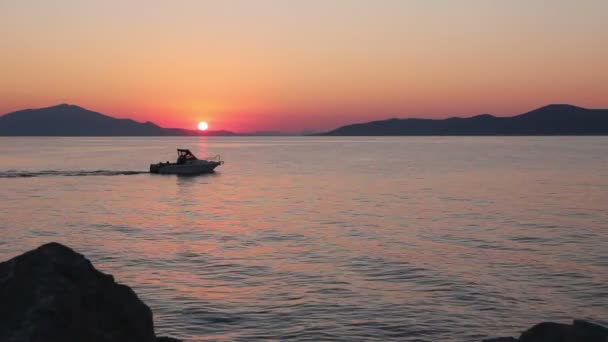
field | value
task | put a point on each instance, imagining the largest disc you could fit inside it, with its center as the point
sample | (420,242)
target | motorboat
(187,164)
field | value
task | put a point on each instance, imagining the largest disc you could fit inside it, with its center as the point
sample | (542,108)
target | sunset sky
(267,65)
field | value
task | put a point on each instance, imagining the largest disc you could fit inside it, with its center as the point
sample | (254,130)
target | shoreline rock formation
(54,294)
(578,331)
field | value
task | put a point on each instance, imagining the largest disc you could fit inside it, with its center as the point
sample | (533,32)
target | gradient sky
(262,65)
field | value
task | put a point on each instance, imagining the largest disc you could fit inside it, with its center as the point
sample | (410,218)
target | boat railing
(216,158)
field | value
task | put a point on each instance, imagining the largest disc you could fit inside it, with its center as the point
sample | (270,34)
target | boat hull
(184,169)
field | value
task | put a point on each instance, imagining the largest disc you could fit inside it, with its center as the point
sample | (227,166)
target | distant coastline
(554,119)
(72,120)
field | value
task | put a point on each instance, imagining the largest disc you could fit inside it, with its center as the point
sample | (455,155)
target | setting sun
(202,126)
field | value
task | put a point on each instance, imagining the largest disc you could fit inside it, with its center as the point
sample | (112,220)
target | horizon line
(303,132)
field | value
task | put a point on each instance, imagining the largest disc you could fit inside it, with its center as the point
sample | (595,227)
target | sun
(202,126)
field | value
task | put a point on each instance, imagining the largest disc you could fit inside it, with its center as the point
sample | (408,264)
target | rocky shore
(54,294)
(578,331)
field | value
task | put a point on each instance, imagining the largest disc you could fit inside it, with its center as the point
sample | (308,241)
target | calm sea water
(317,239)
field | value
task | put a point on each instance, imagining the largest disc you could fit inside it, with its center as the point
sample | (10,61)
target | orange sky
(268,65)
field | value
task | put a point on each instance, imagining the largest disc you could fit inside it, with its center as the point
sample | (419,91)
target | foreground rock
(579,331)
(55,294)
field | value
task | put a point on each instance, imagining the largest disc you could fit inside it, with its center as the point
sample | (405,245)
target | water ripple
(319,239)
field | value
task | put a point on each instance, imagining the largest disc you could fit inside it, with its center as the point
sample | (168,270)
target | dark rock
(55,294)
(587,331)
(579,331)
(547,332)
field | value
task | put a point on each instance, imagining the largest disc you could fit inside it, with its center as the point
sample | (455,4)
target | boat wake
(79,173)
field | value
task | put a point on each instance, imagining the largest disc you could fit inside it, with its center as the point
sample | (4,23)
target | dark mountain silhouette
(548,120)
(70,120)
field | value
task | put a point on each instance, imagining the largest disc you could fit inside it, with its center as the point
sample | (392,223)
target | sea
(327,238)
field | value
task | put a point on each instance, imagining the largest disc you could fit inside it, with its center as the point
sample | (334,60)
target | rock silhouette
(578,331)
(55,294)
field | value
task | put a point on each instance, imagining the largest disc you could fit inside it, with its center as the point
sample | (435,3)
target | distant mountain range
(70,120)
(548,120)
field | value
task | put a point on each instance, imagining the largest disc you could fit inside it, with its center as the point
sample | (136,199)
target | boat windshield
(184,155)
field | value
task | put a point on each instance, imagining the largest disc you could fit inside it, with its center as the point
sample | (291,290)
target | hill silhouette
(557,119)
(71,120)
